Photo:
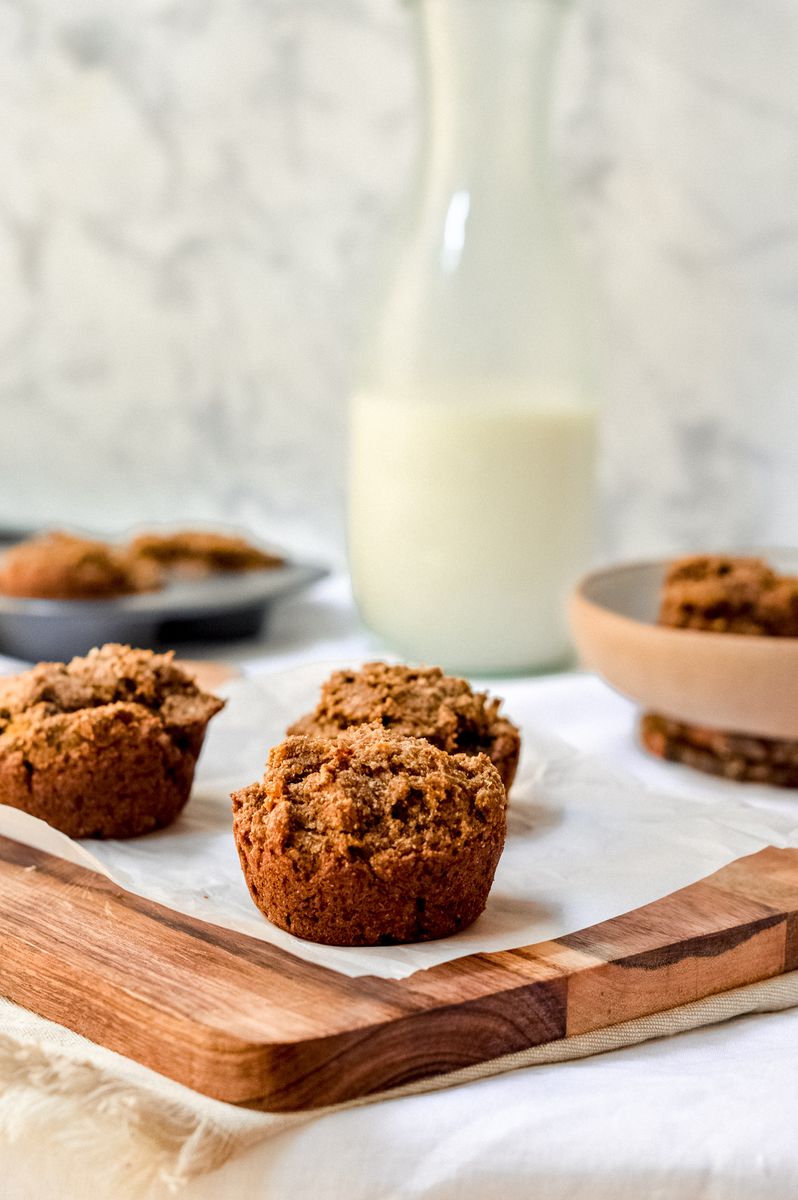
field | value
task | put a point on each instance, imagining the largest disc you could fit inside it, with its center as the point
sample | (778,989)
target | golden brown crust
(103,746)
(201,552)
(417,702)
(59,566)
(370,838)
(735,756)
(726,594)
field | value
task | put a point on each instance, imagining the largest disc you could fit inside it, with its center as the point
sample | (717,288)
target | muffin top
(202,551)
(726,594)
(371,795)
(60,566)
(109,675)
(410,701)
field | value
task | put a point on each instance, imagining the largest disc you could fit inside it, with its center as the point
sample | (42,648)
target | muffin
(60,566)
(103,746)
(370,838)
(724,594)
(731,755)
(417,702)
(201,552)
(720,593)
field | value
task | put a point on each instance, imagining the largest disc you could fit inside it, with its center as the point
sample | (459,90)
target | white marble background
(191,192)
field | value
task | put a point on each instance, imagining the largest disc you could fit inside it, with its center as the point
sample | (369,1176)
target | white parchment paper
(585,842)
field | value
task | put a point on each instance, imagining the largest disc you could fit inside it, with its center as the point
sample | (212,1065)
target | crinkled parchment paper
(585,842)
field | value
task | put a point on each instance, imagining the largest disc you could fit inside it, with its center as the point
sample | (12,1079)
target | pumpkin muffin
(737,756)
(103,746)
(199,552)
(60,566)
(417,702)
(720,593)
(370,838)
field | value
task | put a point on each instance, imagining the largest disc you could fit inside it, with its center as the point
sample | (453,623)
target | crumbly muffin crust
(60,566)
(202,551)
(726,594)
(103,746)
(736,756)
(417,702)
(370,838)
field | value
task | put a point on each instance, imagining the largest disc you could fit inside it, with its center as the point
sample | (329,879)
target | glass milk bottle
(472,448)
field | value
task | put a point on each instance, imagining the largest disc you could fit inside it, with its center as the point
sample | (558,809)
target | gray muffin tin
(223,606)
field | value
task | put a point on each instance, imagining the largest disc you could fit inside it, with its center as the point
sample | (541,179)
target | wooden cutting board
(243,1021)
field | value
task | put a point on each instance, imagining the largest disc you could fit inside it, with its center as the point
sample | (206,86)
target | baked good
(198,552)
(103,746)
(417,702)
(60,566)
(370,838)
(722,593)
(732,755)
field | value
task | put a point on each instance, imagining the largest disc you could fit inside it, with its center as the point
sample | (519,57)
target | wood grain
(243,1021)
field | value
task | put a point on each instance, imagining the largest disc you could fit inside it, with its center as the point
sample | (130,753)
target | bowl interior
(630,591)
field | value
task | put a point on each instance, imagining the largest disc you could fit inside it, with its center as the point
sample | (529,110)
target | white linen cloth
(707,1114)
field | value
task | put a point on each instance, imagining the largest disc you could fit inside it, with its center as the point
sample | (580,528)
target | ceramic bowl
(735,682)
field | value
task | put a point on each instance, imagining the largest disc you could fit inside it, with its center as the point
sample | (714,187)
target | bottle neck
(487,76)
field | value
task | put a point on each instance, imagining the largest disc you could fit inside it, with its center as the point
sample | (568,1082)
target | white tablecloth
(706,1114)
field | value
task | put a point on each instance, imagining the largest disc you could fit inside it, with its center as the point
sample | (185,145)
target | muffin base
(349,904)
(107,772)
(504,750)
